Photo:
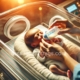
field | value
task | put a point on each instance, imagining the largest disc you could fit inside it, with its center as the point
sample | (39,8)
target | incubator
(13,25)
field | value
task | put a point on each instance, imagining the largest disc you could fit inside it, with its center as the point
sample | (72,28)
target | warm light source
(20,1)
(40,11)
(78,3)
(40,8)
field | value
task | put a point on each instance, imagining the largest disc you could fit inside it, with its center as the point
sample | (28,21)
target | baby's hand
(42,54)
(39,35)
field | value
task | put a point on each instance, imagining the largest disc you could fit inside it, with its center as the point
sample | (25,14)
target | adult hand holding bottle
(70,28)
(67,27)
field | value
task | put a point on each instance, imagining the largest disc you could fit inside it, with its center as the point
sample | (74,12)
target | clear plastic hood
(14,53)
(14,22)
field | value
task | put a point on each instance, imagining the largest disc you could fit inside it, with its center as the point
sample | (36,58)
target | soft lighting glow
(40,8)
(20,1)
(78,3)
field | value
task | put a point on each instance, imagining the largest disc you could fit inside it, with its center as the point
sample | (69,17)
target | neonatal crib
(20,20)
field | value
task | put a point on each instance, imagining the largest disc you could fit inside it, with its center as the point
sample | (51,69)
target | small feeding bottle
(53,32)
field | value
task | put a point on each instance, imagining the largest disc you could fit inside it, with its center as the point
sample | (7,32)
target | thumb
(64,31)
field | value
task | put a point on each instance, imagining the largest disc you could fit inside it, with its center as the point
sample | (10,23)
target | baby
(33,38)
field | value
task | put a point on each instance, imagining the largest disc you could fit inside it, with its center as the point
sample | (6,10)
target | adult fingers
(51,47)
(64,31)
(57,22)
(48,47)
(61,21)
(46,44)
(42,47)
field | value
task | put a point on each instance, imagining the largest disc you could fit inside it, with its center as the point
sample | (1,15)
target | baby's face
(37,39)
(33,37)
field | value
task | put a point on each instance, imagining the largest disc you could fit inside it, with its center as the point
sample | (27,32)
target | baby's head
(33,37)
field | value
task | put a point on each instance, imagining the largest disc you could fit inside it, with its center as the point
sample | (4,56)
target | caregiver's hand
(50,47)
(52,50)
(66,58)
(66,26)
(59,23)
(71,29)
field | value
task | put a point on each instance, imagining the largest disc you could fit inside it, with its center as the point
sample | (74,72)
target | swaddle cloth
(36,52)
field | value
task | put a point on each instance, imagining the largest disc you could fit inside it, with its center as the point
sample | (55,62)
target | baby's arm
(36,53)
(39,58)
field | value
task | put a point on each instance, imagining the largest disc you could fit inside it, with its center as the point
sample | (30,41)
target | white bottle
(51,33)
